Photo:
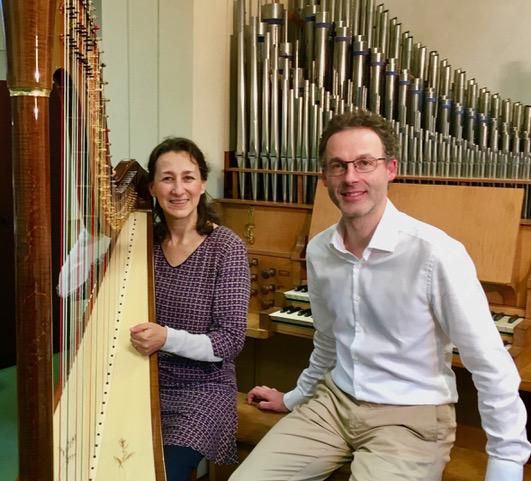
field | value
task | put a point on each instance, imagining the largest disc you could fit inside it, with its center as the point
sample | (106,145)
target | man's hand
(148,337)
(267,398)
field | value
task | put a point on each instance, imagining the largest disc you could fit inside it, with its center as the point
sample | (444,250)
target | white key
(297,295)
(507,323)
(292,317)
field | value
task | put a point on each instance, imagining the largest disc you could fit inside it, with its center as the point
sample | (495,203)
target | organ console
(487,221)
(279,337)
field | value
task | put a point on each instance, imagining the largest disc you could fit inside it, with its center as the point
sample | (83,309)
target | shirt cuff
(293,398)
(193,346)
(502,469)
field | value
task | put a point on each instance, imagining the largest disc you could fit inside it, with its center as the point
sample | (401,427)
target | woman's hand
(267,398)
(148,337)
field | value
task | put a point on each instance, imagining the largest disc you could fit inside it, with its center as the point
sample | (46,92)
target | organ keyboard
(299,293)
(506,323)
(301,313)
(293,315)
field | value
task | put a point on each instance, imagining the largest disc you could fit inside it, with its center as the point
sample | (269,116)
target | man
(389,296)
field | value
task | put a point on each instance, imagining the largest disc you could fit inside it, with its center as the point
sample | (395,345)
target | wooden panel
(275,237)
(325,213)
(276,229)
(523,264)
(245,366)
(280,359)
(485,219)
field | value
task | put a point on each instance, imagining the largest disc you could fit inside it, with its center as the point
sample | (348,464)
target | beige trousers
(381,442)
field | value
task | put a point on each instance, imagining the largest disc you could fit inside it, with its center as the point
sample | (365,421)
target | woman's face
(177,185)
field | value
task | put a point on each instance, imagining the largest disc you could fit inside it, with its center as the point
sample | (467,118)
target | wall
(168,74)
(488,39)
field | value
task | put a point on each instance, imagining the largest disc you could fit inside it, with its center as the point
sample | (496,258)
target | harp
(104,422)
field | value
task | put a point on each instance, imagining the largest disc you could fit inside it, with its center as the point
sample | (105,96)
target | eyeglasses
(362,166)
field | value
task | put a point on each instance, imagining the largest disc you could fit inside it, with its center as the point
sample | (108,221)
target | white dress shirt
(385,325)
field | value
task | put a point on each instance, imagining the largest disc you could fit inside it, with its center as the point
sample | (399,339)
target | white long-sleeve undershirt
(192,346)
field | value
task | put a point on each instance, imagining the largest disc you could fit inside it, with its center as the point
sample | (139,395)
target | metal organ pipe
(346,55)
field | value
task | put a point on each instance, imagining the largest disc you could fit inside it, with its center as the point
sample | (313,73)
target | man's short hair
(362,119)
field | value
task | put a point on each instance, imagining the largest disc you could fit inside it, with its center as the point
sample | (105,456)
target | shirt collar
(385,236)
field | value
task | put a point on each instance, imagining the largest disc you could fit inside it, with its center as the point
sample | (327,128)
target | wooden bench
(468,459)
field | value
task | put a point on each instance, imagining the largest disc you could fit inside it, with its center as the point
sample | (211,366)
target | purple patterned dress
(207,294)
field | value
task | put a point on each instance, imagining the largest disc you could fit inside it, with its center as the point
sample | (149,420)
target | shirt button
(356,299)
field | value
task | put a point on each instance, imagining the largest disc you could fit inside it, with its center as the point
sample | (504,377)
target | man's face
(358,195)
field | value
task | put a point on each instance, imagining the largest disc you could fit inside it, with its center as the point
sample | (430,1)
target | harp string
(91,215)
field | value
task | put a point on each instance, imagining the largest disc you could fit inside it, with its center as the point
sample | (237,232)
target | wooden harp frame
(31,36)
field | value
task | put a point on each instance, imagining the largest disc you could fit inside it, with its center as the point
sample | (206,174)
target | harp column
(29,27)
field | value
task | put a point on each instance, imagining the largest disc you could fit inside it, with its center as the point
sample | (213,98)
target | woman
(202,293)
